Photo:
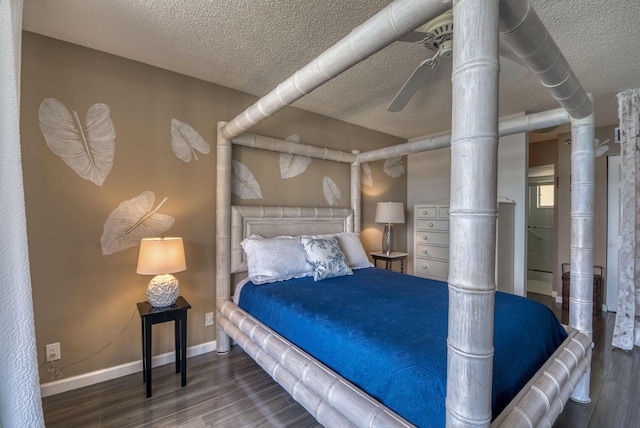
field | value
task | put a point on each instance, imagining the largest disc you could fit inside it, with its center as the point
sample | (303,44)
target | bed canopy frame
(474,141)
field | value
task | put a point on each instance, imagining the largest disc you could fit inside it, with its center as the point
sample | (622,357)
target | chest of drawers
(431,241)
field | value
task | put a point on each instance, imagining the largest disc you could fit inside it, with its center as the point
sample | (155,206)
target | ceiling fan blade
(411,86)
(413,37)
(510,71)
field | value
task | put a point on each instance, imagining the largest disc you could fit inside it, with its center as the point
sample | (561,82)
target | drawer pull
(425,212)
(425,267)
(430,224)
(425,251)
(424,238)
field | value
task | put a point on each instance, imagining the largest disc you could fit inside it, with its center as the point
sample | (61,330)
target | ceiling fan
(437,35)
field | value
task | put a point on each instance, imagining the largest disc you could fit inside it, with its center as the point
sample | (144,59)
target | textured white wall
(513,169)
(20,403)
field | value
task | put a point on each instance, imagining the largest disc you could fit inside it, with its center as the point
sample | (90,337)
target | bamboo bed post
(522,30)
(223,237)
(473,210)
(356,196)
(582,215)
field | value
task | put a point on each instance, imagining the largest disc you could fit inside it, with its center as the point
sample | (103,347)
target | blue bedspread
(386,333)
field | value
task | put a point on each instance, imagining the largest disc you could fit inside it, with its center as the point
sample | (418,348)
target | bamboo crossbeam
(284,146)
(395,20)
(333,401)
(509,126)
(523,31)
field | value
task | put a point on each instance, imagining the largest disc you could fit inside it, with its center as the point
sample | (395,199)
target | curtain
(626,331)
(20,402)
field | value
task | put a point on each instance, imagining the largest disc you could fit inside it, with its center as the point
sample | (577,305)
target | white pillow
(275,259)
(326,257)
(352,248)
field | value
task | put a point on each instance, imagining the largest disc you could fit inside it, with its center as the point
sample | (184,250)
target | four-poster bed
(471,296)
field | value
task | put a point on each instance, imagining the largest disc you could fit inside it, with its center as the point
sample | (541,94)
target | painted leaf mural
(393,167)
(293,165)
(243,183)
(366,177)
(185,141)
(331,191)
(87,150)
(133,220)
(601,148)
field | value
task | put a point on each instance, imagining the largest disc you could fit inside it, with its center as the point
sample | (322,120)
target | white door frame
(614,239)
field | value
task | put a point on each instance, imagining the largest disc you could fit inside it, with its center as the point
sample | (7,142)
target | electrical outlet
(53,352)
(208,319)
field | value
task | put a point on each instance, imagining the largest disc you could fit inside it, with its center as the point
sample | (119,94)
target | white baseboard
(75,382)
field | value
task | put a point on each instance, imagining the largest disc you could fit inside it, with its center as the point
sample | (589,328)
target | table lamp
(161,257)
(389,213)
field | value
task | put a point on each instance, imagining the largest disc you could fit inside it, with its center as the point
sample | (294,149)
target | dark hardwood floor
(233,391)
(222,391)
(615,379)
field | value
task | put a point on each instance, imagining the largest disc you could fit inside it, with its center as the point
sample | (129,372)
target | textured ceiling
(253,45)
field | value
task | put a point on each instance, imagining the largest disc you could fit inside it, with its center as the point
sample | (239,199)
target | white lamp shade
(390,212)
(161,255)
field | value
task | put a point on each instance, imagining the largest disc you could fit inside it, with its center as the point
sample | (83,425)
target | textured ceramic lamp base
(162,290)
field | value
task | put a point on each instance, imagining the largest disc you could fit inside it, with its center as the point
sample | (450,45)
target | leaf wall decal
(243,183)
(89,152)
(601,148)
(331,191)
(185,141)
(133,220)
(293,165)
(366,177)
(393,167)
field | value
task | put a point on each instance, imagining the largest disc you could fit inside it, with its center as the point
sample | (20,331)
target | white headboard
(276,221)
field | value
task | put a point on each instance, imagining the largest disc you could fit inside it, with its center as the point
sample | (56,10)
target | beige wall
(86,300)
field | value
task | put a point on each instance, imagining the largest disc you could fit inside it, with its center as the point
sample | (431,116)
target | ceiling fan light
(445,49)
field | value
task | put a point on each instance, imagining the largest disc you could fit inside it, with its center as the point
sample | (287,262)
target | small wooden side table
(149,316)
(389,259)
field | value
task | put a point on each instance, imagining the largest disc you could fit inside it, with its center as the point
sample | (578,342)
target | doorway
(541,230)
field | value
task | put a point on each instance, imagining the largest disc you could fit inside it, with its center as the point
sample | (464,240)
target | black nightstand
(149,316)
(389,259)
